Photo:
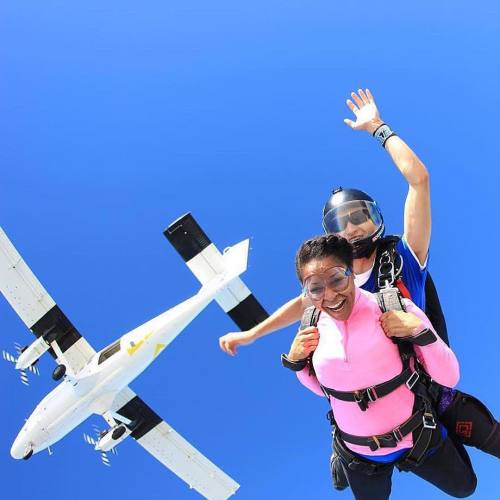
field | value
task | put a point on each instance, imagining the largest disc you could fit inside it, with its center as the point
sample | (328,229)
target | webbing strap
(310,317)
(389,299)
(421,418)
(370,394)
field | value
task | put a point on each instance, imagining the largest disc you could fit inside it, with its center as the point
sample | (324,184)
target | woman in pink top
(352,355)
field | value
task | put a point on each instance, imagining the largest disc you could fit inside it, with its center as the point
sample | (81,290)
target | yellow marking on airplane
(136,346)
(158,349)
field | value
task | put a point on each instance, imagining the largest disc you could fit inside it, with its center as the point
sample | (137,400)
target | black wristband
(295,366)
(425,337)
(382,133)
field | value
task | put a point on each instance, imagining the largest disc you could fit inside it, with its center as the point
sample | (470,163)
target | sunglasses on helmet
(338,224)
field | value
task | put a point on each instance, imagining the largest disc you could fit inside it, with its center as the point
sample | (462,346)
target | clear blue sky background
(117,117)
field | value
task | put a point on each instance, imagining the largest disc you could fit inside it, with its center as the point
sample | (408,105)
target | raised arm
(417,212)
(286,315)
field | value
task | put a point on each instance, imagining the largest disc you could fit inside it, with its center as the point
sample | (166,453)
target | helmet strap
(365,247)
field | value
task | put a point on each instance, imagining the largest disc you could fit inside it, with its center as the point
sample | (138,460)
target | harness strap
(355,462)
(420,447)
(389,299)
(429,436)
(392,438)
(310,317)
(364,396)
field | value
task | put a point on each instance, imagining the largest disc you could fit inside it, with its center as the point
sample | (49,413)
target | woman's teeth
(337,307)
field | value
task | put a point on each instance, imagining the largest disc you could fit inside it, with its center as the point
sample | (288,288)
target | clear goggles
(355,212)
(334,278)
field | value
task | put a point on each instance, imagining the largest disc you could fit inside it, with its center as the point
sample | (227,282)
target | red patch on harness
(464,428)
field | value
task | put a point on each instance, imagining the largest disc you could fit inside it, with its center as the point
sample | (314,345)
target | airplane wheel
(28,455)
(58,372)
(118,432)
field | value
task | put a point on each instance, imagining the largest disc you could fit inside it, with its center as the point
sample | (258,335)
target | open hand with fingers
(365,110)
(304,343)
(230,342)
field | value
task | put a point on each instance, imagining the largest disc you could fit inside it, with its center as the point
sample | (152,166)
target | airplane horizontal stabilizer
(206,262)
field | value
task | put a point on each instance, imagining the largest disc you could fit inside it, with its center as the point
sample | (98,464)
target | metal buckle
(397,434)
(412,380)
(386,441)
(386,271)
(428,421)
(360,399)
(375,444)
(372,394)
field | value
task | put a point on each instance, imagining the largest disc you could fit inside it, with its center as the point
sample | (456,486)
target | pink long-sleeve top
(356,354)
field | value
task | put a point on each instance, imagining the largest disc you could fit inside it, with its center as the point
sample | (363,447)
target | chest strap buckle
(428,421)
(372,394)
(412,380)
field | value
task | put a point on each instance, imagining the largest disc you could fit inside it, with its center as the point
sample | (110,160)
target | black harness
(422,422)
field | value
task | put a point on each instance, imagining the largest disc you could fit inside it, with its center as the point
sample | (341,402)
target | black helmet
(358,202)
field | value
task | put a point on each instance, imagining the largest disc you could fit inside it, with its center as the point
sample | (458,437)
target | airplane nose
(28,441)
(19,449)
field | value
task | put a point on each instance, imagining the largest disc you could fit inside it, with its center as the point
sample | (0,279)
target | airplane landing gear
(118,432)
(58,372)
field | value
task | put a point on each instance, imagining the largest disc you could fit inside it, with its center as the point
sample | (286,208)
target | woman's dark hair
(329,245)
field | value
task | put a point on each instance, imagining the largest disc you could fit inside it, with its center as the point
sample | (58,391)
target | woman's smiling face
(330,286)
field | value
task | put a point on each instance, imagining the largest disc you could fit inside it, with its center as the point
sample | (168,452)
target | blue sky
(116,118)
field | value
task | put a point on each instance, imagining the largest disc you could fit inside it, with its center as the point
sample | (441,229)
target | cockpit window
(109,351)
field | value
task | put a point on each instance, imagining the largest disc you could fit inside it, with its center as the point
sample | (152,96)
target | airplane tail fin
(221,270)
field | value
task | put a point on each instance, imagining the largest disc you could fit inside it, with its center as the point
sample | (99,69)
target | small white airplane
(97,382)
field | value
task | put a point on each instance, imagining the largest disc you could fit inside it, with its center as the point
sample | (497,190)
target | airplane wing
(170,448)
(38,310)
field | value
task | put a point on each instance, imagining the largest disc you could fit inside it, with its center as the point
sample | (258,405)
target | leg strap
(339,478)
(355,462)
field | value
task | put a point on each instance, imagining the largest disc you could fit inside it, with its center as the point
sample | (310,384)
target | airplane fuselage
(94,388)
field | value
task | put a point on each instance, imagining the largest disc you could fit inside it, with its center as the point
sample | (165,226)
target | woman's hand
(230,342)
(401,324)
(304,343)
(365,110)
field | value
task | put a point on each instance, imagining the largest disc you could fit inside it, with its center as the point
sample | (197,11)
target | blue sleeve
(413,275)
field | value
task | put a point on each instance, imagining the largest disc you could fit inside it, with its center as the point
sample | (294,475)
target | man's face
(336,303)
(356,222)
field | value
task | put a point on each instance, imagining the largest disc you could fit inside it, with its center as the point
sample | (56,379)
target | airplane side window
(109,351)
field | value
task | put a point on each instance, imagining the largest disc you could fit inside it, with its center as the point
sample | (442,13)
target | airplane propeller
(13,359)
(93,442)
